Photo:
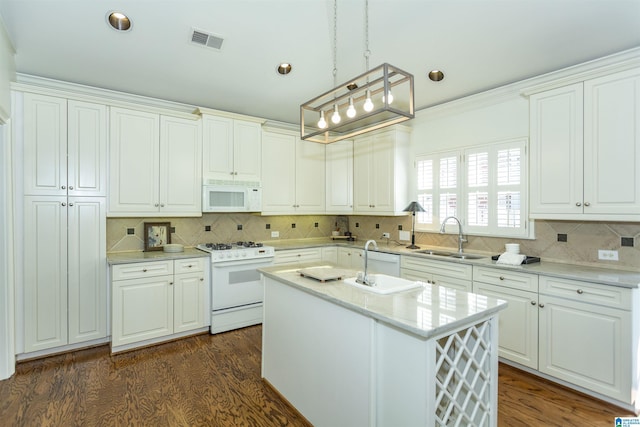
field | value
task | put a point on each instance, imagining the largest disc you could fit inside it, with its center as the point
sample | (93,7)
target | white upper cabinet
(155,165)
(585,149)
(339,177)
(293,174)
(65,147)
(380,169)
(231,149)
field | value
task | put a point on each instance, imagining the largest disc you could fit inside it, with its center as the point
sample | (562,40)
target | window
(438,188)
(485,187)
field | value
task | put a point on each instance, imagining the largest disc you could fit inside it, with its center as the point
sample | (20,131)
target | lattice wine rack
(463,378)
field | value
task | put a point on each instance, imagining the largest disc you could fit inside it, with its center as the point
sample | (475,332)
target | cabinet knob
(501,277)
(578,204)
(156,205)
(202,279)
(63,187)
(162,205)
(587,204)
(230,173)
(235,173)
(541,305)
(171,283)
(71,187)
(64,204)
(580,291)
(533,303)
(189,266)
(70,204)
(433,282)
(144,270)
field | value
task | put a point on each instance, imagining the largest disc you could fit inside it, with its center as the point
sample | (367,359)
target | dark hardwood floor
(214,380)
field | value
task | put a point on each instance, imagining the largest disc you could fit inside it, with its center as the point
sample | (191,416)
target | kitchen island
(344,356)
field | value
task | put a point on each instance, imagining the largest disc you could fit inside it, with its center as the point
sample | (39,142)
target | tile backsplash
(583,239)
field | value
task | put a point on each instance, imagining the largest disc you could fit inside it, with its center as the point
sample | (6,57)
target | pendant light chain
(335,43)
(367,52)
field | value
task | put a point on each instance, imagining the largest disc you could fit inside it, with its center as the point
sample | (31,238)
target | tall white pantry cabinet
(64,293)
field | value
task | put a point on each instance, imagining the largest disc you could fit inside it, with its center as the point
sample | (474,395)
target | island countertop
(427,312)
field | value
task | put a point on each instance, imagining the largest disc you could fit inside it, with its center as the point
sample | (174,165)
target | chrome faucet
(461,238)
(365,279)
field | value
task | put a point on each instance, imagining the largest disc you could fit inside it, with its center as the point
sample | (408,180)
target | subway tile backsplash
(583,238)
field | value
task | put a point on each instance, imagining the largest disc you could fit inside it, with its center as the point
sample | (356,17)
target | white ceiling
(479,44)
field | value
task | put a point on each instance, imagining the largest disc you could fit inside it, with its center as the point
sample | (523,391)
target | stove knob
(244,254)
(236,254)
(229,255)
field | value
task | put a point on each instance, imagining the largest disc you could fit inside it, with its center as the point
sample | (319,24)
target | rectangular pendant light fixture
(358,106)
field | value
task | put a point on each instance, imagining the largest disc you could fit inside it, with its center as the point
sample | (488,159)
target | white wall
(7,74)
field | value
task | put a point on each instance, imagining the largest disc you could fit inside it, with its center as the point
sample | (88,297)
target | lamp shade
(414,207)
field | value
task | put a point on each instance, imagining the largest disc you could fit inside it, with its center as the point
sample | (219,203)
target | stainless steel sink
(458,255)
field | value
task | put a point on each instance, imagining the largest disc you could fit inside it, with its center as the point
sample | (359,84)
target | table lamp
(413,208)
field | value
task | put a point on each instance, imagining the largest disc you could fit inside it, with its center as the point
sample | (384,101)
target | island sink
(384,284)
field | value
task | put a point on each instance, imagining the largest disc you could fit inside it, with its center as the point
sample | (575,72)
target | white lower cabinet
(65,294)
(578,332)
(294,256)
(586,336)
(444,274)
(330,254)
(152,301)
(350,258)
(518,323)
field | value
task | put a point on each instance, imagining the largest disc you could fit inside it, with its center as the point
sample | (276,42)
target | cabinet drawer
(610,296)
(138,270)
(509,279)
(442,268)
(298,255)
(189,265)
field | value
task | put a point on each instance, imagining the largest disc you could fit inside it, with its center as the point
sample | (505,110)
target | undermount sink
(458,255)
(385,284)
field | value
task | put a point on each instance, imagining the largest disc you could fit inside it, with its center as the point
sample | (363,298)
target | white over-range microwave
(231,196)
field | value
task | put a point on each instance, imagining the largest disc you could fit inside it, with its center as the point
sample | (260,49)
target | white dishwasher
(383,263)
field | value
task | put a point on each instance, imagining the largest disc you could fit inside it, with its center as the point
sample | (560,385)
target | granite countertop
(606,276)
(139,256)
(426,312)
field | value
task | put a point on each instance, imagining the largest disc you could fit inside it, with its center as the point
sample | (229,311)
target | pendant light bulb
(368,104)
(335,117)
(390,97)
(322,123)
(351,111)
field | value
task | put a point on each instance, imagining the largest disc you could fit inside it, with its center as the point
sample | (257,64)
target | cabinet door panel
(361,175)
(45,273)
(310,165)
(45,145)
(339,176)
(87,269)
(87,149)
(586,345)
(612,144)
(247,151)
(142,309)
(181,166)
(517,324)
(188,302)
(134,161)
(218,148)
(557,151)
(382,172)
(278,172)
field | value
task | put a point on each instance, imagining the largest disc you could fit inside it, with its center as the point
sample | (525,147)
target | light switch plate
(405,235)
(275,234)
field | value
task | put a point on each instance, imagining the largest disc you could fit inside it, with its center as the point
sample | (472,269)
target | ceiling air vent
(207,40)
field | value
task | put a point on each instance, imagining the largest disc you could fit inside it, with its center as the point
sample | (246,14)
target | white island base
(345,357)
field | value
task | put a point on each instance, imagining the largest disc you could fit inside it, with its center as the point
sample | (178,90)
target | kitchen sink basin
(385,284)
(458,255)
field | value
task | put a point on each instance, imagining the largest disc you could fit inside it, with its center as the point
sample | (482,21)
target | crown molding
(229,115)
(46,86)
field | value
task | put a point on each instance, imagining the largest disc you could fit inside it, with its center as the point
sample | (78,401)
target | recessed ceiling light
(119,21)
(436,75)
(284,68)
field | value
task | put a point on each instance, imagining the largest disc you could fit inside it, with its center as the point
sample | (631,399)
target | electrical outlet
(607,255)
(275,234)
(405,236)
(386,235)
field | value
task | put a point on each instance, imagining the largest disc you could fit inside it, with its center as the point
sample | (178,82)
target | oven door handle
(258,262)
